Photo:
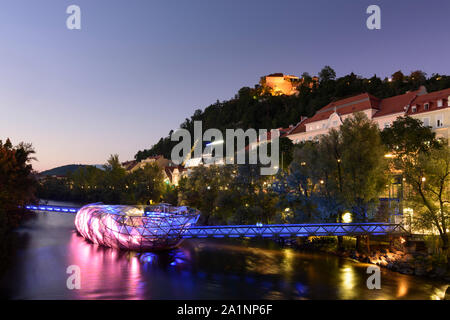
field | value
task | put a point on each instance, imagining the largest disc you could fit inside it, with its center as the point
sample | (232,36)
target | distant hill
(63,170)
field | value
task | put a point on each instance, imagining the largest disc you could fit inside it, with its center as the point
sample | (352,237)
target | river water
(199,269)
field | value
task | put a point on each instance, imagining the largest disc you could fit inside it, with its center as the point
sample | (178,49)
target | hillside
(258,109)
(63,170)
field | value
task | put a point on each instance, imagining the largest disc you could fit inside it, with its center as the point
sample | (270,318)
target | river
(198,269)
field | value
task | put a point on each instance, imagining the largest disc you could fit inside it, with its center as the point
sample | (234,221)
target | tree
(331,148)
(17,181)
(398,76)
(344,170)
(303,182)
(286,151)
(17,189)
(425,165)
(143,185)
(88,184)
(363,165)
(327,74)
(201,189)
(428,175)
(114,180)
(408,136)
(418,78)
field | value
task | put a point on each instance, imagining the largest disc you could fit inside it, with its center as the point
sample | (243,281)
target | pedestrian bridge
(295,230)
(271,230)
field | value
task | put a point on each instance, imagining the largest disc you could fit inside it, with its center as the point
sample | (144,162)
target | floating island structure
(138,228)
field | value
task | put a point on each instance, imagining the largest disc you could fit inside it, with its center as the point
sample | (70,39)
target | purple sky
(138,68)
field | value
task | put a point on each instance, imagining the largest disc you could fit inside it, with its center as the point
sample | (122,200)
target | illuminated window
(440,103)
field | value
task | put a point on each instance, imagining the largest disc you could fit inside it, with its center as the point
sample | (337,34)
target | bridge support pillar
(358,243)
(340,243)
(363,243)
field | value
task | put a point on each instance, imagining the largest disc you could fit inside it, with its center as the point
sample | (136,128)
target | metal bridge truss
(296,230)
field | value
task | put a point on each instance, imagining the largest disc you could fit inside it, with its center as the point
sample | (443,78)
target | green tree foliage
(17,182)
(286,148)
(429,179)
(203,187)
(425,165)
(229,194)
(344,170)
(143,185)
(113,185)
(327,74)
(17,188)
(408,136)
(363,164)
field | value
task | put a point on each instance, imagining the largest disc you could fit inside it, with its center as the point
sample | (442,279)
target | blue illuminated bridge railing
(271,230)
(296,230)
(47,208)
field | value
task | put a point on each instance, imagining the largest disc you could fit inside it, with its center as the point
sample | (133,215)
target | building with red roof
(433,109)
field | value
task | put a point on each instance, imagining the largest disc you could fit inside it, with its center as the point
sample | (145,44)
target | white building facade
(433,109)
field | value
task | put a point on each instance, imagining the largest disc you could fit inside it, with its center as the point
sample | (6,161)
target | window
(426,106)
(439,121)
(448,101)
(386,125)
(414,109)
(334,123)
(426,122)
(440,103)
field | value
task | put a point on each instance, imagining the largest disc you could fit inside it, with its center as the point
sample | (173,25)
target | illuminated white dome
(137,228)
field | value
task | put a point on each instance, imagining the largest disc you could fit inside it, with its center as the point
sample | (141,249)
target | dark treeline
(17,188)
(112,185)
(258,109)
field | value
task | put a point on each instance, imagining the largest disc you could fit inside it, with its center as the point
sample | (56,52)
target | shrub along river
(199,269)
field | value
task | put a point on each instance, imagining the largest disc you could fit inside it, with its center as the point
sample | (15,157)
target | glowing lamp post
(347,217)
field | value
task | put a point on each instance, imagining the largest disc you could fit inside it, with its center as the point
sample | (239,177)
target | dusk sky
(138,68)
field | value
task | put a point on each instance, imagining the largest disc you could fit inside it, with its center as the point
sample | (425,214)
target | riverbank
(394,256)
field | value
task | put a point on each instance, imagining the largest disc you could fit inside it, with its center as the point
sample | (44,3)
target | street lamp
(347,217)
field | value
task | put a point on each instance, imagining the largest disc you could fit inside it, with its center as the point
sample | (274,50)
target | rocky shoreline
(417,263)
(397,258)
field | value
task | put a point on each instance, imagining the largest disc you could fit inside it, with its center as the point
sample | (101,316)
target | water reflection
(403,288)
(199,269)
(105,271)
(347,277)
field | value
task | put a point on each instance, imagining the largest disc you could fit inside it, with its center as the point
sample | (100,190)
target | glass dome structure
(138,228)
